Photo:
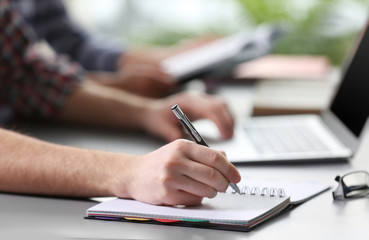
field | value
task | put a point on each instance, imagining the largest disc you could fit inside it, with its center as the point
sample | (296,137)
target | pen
(195,135)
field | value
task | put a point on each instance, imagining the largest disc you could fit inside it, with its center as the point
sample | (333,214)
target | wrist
(104,78)
(148,119)
(136,113)
(122,175)
(111,107)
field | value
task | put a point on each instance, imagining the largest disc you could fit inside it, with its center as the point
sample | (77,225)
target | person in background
(32,87)
(107,63)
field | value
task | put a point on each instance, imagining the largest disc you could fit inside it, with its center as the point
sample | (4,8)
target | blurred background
(318,27)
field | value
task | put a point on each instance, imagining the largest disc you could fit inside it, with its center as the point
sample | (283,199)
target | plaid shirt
(51,22)
(30,85)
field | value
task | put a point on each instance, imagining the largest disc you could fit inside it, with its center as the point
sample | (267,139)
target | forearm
(104,106)
(34,167)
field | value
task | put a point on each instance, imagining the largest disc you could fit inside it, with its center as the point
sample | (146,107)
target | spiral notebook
(228,211)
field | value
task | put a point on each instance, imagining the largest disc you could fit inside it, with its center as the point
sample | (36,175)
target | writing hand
(181,172)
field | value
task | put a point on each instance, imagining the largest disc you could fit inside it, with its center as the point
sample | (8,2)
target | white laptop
(331,136)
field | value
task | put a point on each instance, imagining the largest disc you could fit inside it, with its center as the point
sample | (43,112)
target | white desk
(32,217)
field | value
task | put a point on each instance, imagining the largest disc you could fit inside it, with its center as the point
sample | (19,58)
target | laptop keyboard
(284,138)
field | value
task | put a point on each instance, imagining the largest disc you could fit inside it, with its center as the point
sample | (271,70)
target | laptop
(331,136)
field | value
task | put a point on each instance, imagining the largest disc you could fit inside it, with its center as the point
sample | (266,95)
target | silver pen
(195,135)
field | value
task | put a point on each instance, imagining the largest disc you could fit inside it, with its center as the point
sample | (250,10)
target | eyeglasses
(352,185)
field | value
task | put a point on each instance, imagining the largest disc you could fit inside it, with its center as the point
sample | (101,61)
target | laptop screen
(351,103)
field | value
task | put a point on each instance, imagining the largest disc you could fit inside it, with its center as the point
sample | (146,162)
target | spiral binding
(256,191)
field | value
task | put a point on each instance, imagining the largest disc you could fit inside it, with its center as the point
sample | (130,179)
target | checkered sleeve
(29,84)
(51,22)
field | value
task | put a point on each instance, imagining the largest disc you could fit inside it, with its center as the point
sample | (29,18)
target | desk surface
(34,217)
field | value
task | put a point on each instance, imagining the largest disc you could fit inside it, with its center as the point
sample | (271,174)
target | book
(259,201)
(289,84)
(285,67)
(294,96)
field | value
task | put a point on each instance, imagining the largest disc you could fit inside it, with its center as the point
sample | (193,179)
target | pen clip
(188,125)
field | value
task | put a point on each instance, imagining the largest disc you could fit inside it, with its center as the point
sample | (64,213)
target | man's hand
(159,119)
(142,74)
(181,172)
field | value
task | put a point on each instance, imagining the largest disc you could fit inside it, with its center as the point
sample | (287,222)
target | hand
(140,71)
(181,172)
(143,75)
(162,122)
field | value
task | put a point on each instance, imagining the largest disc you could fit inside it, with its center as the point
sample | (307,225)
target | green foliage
(261,11)
(310,25)
(167,37)
(313,26)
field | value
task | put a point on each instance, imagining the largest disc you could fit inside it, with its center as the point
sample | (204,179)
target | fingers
(156,72)
(220,114)
(149,69)
(182,198)
(201,171)
(186,181)
(216,161)
(205,165)
(212,180)
(181,172)
(198,106)
(148,80)
(194,187)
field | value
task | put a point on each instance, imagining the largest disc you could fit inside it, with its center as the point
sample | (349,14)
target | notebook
(259,201)
(331,136)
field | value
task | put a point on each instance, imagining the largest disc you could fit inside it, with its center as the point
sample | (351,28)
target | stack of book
(290,84)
